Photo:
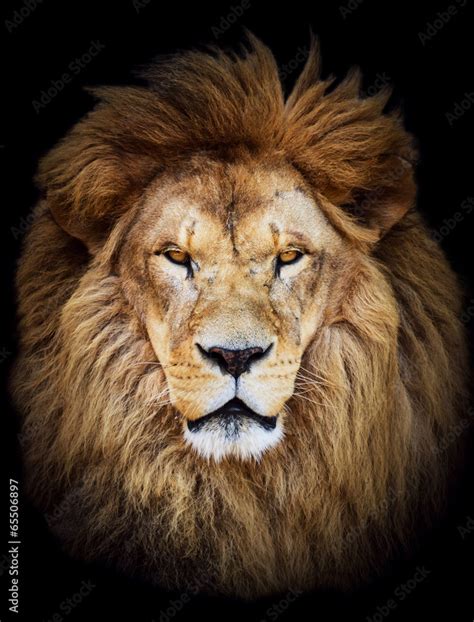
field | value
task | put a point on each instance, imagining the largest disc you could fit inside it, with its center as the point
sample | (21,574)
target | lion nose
(234,362)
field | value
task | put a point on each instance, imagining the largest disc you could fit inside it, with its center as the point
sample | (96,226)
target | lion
(240,347)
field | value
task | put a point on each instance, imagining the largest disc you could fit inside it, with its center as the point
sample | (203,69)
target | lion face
(233,291)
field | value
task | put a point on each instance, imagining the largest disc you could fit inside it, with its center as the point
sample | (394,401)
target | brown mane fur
(362,460)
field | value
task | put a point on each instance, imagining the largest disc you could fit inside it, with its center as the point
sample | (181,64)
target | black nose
(234,362)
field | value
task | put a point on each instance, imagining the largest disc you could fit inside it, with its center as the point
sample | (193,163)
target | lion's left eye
(176,255)
(288,257)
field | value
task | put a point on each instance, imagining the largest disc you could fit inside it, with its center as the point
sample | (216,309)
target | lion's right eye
(289,256)
(176,255)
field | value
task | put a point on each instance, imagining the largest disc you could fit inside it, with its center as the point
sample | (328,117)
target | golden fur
(381,382)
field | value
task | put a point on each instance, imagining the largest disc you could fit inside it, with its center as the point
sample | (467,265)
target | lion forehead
(245,205)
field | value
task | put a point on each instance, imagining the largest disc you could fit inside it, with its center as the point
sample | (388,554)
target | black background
(424,55)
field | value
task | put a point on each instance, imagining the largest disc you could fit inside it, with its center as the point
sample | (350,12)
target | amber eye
(289,256)
(175,255)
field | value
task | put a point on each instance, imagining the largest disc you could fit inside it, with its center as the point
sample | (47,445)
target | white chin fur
(250,442)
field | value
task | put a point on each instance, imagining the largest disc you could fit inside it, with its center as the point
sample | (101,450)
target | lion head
(231,285)
(240,348)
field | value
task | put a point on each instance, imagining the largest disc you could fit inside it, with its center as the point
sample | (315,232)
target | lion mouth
(231,417)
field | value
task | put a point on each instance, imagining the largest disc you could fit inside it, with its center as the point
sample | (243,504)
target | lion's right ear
(84,186)
(91,177)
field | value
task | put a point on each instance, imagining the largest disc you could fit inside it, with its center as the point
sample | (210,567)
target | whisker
(316,377)
(308,399)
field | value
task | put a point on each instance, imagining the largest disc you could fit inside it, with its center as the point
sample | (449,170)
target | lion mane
(364,465)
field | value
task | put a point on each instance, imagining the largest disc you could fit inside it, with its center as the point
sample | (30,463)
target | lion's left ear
(378,208)
(358,157)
